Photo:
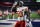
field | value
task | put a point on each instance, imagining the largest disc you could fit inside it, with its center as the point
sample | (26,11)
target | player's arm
(12,6)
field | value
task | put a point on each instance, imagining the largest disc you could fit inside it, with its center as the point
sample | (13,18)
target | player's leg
(23,24)
(0,16)
(7,16)
(13,15)
(4,15)
(13,10)
(30,24)
(17,24)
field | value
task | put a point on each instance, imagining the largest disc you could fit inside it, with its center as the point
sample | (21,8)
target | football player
(0,14)
(22,11)
(4,13)
(14,9)
(11,13)
(7,14)
(39,12)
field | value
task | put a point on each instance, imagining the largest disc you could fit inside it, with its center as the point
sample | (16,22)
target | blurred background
(6,7)
(33,5)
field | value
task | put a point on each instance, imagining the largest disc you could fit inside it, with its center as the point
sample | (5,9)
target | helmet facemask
(20,3)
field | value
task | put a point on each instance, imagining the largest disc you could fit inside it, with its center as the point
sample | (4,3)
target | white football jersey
(20,11)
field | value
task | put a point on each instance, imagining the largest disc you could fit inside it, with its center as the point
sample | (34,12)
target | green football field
(32,15)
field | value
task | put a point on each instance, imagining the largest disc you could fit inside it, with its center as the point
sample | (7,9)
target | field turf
(32,15)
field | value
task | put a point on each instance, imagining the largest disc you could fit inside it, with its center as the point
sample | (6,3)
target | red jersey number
(20,14)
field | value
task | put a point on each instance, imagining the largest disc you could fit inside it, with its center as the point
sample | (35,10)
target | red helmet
(21,3)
